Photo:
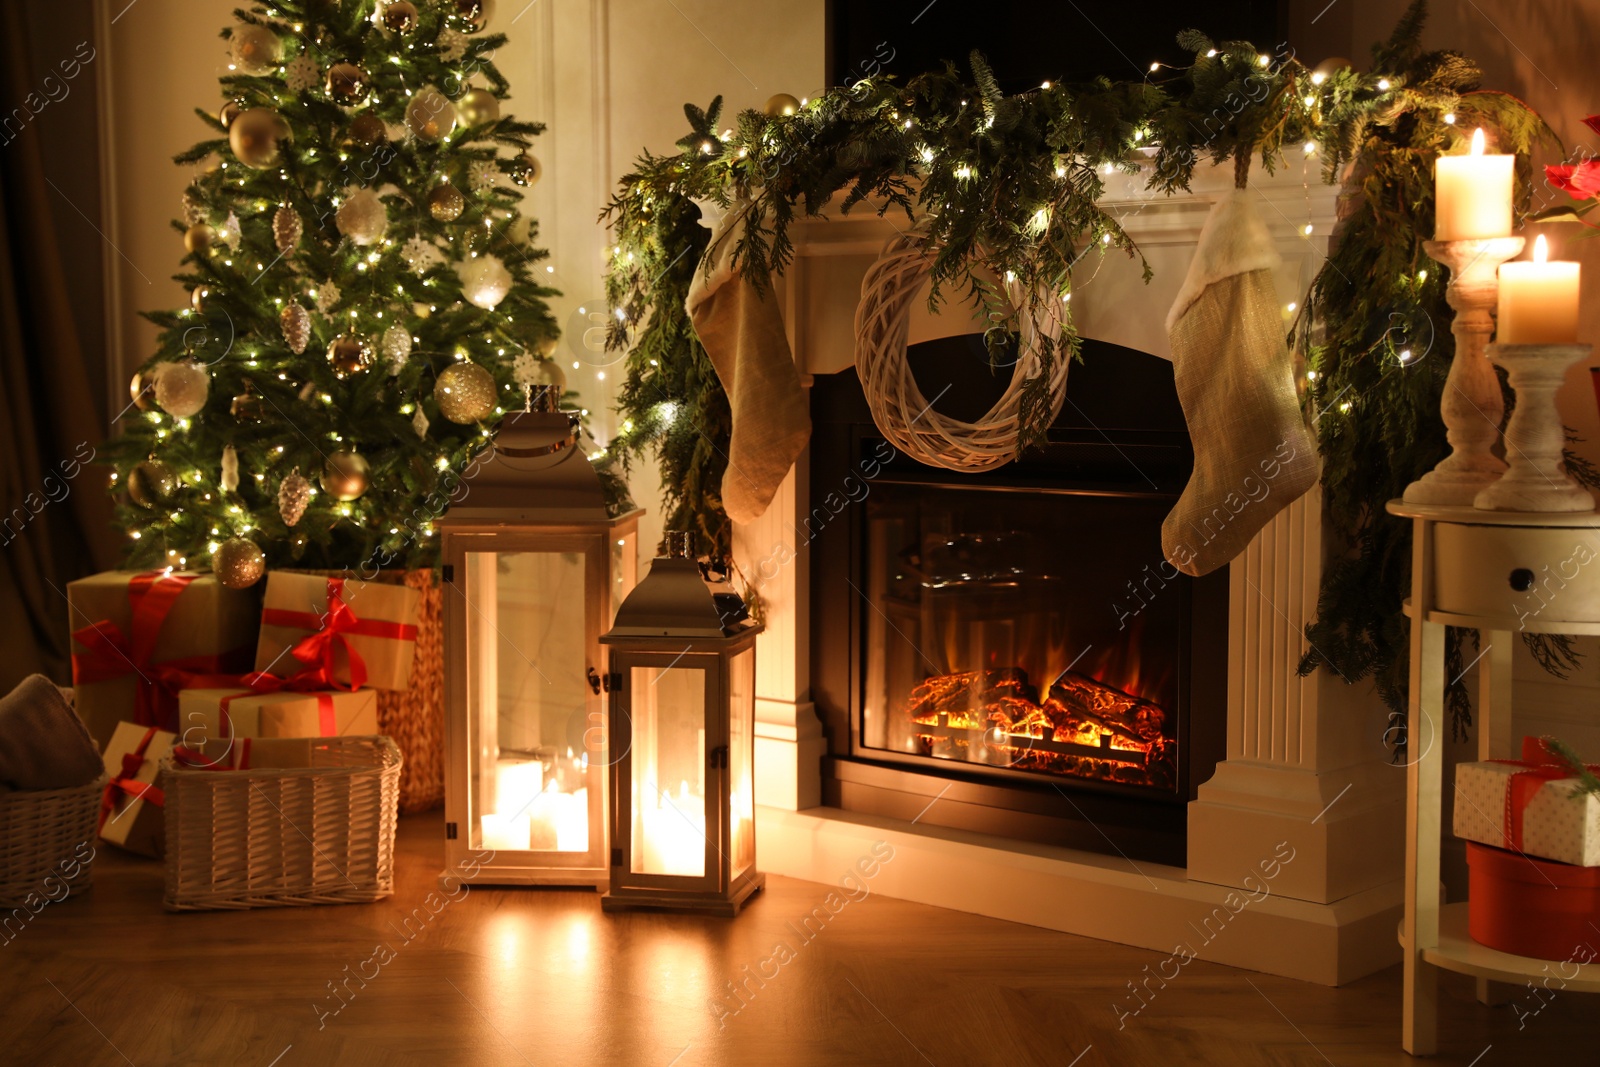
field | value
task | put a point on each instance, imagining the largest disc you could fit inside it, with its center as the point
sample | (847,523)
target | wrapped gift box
(329,713)
(356,633)
(1532,907)
(130,815)
(135,634)
(244,753)
(1527,806)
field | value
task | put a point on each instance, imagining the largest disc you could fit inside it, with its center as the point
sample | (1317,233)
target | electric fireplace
(1009,652)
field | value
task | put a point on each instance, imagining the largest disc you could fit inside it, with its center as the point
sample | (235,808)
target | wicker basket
(272,836)
(43,834)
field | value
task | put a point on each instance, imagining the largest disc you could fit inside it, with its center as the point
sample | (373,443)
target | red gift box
(1532,907)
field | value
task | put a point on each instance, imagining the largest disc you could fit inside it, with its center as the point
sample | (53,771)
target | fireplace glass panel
(1035,633)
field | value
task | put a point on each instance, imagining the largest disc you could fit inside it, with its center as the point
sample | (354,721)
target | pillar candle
(1538,301)
(1472,195)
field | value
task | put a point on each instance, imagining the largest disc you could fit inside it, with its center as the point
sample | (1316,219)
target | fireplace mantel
(1306,771)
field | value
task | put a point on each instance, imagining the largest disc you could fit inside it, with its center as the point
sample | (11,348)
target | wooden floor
(542,977)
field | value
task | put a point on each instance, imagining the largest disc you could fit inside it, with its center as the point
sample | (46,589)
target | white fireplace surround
(1295,845)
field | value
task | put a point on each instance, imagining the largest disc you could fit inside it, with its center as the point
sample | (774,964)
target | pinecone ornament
(293,496)
(286,228)
(295,322)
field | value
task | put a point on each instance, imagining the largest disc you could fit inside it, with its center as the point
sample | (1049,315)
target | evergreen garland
(1009,187)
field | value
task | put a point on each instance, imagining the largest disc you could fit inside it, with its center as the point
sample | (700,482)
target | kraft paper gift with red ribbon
(1528,806)
(130,810)
(342,633)
(221,713)
(136,637)
(244,753)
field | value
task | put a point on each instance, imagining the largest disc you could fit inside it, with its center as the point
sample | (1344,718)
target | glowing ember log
(1130,718)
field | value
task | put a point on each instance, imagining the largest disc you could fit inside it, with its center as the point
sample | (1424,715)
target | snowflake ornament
(327,296)
(452,44)
(525,369)
(420,255)
(301,74)
(484,175)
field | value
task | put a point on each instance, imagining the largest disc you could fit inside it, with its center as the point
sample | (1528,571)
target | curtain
(55,516)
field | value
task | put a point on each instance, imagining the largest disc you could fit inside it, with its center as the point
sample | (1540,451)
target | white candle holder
(1472,404)
(1535,477)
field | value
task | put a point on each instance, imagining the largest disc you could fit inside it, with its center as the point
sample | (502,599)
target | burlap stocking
(742,332)
(1253,452)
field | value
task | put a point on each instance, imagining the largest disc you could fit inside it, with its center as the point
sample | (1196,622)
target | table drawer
(1545,573)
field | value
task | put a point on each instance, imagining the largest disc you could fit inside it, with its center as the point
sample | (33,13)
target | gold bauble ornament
(142,390)
(151,483)
(197,298)
(545,347)
(255,135)
(229,111)
(248,406)
(469,16)
(348,84)
(1331,66)
(344,476)
(478,106)
(465,393)
(350,355)
(446,203)
(238,563)
(525,169)
(430,115)
(397,17)
(367,130)
(256,49)
(198,238)
(782,105)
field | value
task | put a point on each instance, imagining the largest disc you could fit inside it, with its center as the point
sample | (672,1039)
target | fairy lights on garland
(1008,186)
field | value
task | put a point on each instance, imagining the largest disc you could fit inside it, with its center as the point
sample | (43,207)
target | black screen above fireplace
(1009,652)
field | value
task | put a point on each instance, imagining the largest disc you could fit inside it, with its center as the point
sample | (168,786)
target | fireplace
(1016,657)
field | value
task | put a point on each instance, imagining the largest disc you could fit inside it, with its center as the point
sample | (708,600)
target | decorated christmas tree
(364,296)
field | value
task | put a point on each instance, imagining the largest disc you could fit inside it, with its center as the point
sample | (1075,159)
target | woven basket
(272,836)
(42,836)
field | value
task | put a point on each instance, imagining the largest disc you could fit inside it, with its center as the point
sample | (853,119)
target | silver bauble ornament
(396,347)
(478,106)
(151,483)
(362,217)
(430,115)
(465,393)
(349,355)
(348,84)
(524,170)
(293,495)
(286,228)
(400,16)
(344,476)
(238,563)
(181,388)
(295,321)
(255,49)
(485,281)
(255,136)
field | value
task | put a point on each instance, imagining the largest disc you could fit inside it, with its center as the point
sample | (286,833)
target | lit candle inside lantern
(1538,301)
(1472,195)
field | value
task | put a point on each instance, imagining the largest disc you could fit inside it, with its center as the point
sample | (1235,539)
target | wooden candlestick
(1535,478)
(1472,404)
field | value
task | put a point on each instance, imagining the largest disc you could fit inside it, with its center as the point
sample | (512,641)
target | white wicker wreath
(898,407)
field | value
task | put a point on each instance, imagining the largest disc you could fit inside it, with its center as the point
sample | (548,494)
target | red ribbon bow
(108,653)
(330,632)
(127,783)
(1539,766)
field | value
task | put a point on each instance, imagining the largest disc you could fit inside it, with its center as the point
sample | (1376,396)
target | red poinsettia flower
(1580,180)
(1593,122)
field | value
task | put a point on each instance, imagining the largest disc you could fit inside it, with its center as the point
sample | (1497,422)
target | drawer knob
(1521,579)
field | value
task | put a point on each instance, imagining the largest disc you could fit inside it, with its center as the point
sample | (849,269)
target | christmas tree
(365,298)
